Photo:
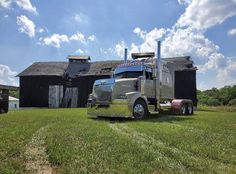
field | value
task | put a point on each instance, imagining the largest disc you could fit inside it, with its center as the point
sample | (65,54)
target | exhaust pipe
(158,59)
(158,70)
(125,55)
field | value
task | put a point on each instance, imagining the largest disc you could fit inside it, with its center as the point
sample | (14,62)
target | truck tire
(140,109)
(190,109)
(183,109)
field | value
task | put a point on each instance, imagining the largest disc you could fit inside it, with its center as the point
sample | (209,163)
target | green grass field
(67,141)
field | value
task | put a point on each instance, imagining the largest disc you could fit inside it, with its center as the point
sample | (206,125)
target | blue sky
(42,30)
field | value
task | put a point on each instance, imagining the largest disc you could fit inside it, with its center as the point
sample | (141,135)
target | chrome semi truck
(138,88)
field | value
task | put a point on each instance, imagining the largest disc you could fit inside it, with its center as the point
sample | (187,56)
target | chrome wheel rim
(183,110)
(138,110)
(190,109)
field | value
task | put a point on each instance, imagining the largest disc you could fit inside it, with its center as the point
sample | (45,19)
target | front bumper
(118,108)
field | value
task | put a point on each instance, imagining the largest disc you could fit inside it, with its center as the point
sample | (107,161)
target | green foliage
(14,93)
(77,144)
(216,97)
(232,102)
(213,102)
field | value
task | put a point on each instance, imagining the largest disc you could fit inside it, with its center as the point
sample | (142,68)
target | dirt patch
(36,156)
(231,125)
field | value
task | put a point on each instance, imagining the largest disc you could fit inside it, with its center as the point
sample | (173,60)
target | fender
(133,96)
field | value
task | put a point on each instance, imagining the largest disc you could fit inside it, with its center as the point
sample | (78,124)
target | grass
(67,141)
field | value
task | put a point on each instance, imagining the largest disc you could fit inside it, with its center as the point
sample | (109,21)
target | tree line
(217,97)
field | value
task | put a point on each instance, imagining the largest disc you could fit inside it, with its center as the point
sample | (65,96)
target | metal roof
(9,87)
(10,98)
(75,69)
(72,69)
(45,69)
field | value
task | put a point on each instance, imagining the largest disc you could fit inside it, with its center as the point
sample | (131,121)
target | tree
(215,97)
(232,102)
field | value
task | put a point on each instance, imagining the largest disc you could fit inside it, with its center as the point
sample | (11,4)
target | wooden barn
(61,84)
(68,84)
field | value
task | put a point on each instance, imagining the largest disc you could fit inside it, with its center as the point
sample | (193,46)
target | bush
(215,97)
(213,102)
(232,102)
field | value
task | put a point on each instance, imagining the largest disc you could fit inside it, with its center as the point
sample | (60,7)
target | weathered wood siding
(4,100)
(34,90)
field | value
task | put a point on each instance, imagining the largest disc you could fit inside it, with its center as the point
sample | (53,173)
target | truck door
(149,90)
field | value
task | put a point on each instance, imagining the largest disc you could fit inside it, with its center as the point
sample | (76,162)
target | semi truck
(138,88)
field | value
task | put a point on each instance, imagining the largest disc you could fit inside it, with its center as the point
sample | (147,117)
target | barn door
(70,99)
(55,96)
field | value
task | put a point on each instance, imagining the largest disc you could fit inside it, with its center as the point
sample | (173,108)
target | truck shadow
(153,118)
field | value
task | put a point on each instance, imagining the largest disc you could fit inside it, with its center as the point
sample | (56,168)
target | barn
(61,84)
(68,84)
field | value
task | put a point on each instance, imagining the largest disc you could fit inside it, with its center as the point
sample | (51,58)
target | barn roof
(76,69)
(45,68)
(73,69)
(10,98)
(8,87)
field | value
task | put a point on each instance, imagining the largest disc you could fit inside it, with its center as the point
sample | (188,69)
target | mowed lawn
(67,141)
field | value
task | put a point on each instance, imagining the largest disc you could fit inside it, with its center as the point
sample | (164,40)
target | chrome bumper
(118,108)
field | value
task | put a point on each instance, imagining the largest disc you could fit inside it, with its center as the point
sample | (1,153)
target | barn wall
(4,99)
(34,90)
(85,85)
(185,85)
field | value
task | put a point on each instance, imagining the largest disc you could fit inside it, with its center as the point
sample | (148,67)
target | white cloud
(184,2)
(55,40)
(6,16)
(91,37)
(134,48)
(228,74)
(78,37)
(232,32)
(81,18)
(7,76)
(204,14)
(26,26)
(119,48)
(5,3)
(40,30)
(184,42)
(24,4)
(149,39)
(79,51)
(139,32)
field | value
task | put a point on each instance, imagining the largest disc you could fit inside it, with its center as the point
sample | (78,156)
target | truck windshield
(129,74)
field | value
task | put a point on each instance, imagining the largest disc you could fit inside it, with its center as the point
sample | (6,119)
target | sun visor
(130,67)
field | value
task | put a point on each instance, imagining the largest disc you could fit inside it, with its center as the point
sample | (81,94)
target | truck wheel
(190,109)
(183,109)
(140,109)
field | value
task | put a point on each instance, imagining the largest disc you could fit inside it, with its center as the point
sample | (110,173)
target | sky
(39,30)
